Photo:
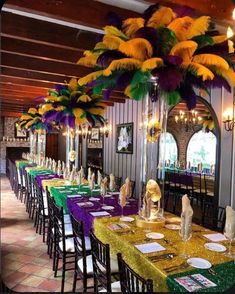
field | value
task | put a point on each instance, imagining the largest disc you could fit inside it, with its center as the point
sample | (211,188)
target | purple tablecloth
(83,213)
(39,178)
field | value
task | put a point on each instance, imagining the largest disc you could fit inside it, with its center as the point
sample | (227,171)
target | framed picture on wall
(95,134)
(19,134)
(124,138)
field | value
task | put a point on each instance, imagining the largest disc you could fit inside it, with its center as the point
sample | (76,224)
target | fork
(183,265)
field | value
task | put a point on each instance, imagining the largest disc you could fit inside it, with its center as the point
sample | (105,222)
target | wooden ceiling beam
(219,10)
(23,88)
(84,12)
(10,113)
(46,33)
(27,82)
(44,66)
(13,45)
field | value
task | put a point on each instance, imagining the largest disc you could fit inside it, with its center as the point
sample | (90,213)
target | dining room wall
(124,165)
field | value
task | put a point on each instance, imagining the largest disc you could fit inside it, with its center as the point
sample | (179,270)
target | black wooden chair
(130,281)
(103,266)
(63,245)
(83,264)
(213,217)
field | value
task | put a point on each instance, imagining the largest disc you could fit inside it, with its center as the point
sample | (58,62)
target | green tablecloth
(35,172)
(224,278)
(60,195)
(21,164)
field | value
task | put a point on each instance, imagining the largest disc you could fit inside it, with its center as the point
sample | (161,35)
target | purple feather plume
(220,49)
(172,60)
(149,11)
(182,11)
(112,19)
(107,57)
(99,38)
(187,93)
(151,35)
(169,79)
(218,82)
(124,79)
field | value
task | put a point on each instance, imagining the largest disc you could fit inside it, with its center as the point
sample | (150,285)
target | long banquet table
(125,241)
(84,213)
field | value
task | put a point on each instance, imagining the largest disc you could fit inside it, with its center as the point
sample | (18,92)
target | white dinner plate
(154,235)
(95,190)
(173,227)
(127,219)
(173,220)
(94,199)
(199,263)
(107,207)
(113,193)
(215,247)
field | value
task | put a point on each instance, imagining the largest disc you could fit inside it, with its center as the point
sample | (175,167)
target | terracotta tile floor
(25,266)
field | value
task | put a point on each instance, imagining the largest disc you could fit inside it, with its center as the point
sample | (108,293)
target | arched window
(171,148)
(202,149)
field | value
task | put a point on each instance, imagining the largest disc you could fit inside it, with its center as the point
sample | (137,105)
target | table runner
(83,213)
(18,161)
(53,183)
(40,171)
(140,263)
(60,196)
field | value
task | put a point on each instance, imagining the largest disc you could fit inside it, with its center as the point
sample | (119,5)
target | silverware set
(173,268)
(167,256)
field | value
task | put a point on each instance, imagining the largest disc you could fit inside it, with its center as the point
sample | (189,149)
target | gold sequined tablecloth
(124,243)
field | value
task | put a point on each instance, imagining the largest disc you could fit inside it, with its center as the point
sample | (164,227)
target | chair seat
(67,219)
(45,211)
(69,245)
(89,265)
(68,230)
(116,287)
(87,243)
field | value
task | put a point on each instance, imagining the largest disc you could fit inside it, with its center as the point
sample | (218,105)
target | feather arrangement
(180,51)
(71,105)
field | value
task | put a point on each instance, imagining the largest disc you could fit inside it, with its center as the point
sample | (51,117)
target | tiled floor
(25,265)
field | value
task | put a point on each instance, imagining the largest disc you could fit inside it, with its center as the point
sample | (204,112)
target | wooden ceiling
(36,53)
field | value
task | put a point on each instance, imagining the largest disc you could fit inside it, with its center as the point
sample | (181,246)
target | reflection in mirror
(191,153)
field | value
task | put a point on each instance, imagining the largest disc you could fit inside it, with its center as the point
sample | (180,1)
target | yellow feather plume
(220,39)
(131,25)
(161,17)
(90,77)
(151,63)
(111,30)
(211,59)
(32,110)
(45,108)
(124,63)
(198,27)
(88,61)
(112,42)
(84,98)
(98,111)
(77,112)
(25,117)
(73,83)
(137,48)
(199,69)
(101,104)
(180,26)
(100,45)
(184,49)
(229,74)
(127,91)
(31,122)
(80,121)
(60,108)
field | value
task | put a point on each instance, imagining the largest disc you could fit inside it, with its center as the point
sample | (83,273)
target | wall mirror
(192,157)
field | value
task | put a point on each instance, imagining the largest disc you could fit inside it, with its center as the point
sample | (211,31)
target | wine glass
(229,234)
(185,237)
(102,194)
(122,204)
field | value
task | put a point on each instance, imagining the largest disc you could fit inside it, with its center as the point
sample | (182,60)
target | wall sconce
(228,121)
(106,129)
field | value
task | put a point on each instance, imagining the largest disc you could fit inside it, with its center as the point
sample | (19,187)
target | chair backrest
(59,224)
(39,197)
(101,263)
(79,241)
(209,185)
(213,217)
(50,202)
(221,218)
(130,281)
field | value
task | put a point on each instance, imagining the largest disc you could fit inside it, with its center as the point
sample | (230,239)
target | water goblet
(229,234)
(185,238)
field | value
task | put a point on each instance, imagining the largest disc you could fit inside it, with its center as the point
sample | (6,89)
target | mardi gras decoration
(153,131)
(178,53)
(208,124)
(31,120)
(69,105)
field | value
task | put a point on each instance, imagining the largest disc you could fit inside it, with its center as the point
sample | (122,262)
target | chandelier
(188,120)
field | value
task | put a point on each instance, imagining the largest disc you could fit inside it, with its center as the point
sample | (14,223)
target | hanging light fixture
(189,120)
(229,121)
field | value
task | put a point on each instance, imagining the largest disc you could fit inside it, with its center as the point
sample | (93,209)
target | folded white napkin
(229,229)
(150,247)
(186,218)
(99,178)
(111,182)
(99,213)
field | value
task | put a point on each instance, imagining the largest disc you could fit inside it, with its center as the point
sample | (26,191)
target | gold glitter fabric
(124,241)
(52,183)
